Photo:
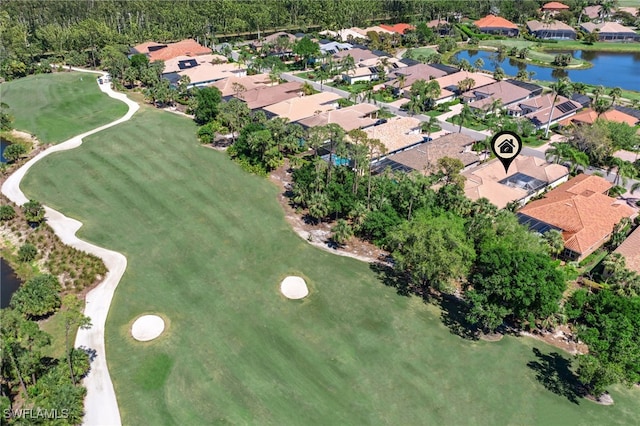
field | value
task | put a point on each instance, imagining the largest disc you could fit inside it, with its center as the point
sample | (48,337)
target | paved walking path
(101,406)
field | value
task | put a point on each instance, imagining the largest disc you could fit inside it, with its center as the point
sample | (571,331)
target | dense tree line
(75,31)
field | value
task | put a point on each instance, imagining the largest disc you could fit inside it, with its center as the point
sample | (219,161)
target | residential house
(397,133)
(235,85)
(375,29)
(589,116)
(581,210)
(553,30)
(526,178)
(165,51)
(332,47)
(440,27)
(206,73)
(449,83)
(411,74)
(300,107)
(359,55)
(553,8)
(539,108)
(272,39)
(492,24)
(628,110)
(630,250)
(353,117)
(593,12)
(611,31)
(424,156)
(181,63)
(262,96)
(397,28)
(346,34)
(505,91)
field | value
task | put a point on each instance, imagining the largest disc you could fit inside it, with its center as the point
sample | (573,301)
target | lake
(9,283)
(609,69)
(3,145)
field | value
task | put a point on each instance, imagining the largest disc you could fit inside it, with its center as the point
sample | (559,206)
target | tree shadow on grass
(553,371)
(453,310)
(392,278)
(453,315)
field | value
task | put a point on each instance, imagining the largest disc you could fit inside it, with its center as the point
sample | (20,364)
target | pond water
(3,145)
(609,69)
(9,283)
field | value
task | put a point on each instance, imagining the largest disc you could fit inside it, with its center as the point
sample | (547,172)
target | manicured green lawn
(57,106)
(415,53)
(207,246)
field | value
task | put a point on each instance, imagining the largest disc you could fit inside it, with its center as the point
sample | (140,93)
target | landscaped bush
(7,212)
(27,252)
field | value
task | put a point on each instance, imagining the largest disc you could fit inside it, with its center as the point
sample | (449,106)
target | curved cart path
(101,406)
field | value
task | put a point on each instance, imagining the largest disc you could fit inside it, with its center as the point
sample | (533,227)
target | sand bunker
(147,327)
(294,288)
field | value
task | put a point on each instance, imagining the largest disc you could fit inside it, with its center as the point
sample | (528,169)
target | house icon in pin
(506,146)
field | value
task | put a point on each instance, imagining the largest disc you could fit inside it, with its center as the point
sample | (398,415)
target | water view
(9,283)
(3,145)
(609,69)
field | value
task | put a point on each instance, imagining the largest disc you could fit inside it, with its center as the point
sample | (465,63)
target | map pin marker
(506,146)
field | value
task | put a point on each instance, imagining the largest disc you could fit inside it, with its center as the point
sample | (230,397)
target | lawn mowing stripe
(354,352)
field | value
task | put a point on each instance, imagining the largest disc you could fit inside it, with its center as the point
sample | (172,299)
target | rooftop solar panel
(566,107)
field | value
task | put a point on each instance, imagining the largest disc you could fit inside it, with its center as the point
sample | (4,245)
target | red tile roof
(492,21)
(554,5)
(589,116)
(630,250)
(397,28)
(581,210)
(188,47)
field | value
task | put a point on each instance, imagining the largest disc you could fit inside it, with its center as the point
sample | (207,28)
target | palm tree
(635,187)
(562,87)
(558,152)
(624,170)
(465,114)
(466,84)
(555,241)
(402,79)
(579,87)
(499,74)
(597,92)
(341,232)
(601,106)
(615,93)
(478,64)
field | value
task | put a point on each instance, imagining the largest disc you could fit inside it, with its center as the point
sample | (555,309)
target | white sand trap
(147,327)
(294,288)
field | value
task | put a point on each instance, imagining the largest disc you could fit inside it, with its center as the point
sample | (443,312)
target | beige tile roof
(607,27)
(249,82)
(503,90)
(543,104)
(375,28)
(592,11)
(414,73)
(357,54)
(630,249)
(424,157)
(171,65)
(272,38)
(581,209)
(480,80)
(349,118)
(302,107)
(262,96)
(484,180)
(397,132)
(553,25)
(208,72)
